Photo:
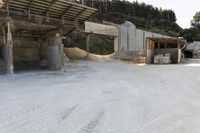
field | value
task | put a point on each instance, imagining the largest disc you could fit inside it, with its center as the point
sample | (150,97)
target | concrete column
(144,42)
(62,55)
(116,44)
(55,53)
(88,43)
(9,51)
(4,35)
(61,51)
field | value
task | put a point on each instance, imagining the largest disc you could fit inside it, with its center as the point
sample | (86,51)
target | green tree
(196,20)
(142,15)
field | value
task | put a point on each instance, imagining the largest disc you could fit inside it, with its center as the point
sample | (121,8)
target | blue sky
(184,9)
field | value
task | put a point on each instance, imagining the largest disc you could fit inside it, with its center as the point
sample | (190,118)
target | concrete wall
(123,45)
(32,53)
(139,40)
(101,29)
(24,54)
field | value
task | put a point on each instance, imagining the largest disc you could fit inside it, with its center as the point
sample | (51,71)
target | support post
(61,51)
(88,43)
(116,44)
(55,51)
(9,46)
(9,51)
(4,35)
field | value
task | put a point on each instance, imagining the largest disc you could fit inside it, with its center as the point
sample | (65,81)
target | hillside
(144,16)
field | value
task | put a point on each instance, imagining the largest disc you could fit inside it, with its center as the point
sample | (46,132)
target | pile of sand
(79,54)
(95,57)
(75,53)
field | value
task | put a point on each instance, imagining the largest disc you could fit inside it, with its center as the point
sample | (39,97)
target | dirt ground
(102,97)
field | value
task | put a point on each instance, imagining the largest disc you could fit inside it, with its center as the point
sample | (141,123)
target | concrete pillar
(88,43)
(8,51)
(179,52)
(4,35)
(55,53)
(144,40)
(116,44)
(62,55)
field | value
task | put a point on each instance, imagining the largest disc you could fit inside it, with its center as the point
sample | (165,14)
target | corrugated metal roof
(170,40)
(52,8)
(59,11)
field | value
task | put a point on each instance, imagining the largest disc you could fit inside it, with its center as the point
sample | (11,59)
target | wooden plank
(50,6)
(65,11)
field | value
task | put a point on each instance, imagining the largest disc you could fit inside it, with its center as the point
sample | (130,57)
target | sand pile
(75,53)
(79,54)
(95,57)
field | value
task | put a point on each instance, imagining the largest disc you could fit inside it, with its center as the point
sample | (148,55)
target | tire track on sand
(89,128)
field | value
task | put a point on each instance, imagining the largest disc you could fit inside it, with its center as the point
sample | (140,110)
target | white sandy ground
(102,97)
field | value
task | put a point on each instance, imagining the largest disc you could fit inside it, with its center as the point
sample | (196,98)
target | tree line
(144,16)
(193,33)
(131,9)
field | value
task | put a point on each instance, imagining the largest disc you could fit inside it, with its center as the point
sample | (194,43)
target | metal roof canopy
(48,13)
(170,40)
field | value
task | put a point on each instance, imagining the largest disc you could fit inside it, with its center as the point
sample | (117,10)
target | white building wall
(116,43)
(131,38)
(139,39)
(132,41)
(122,38)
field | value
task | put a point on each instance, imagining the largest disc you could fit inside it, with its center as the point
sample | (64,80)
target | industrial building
(164,50)
(133,44)
(31,32)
